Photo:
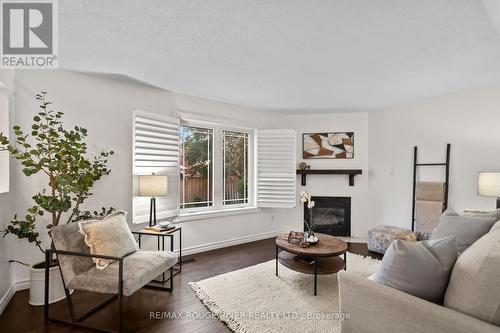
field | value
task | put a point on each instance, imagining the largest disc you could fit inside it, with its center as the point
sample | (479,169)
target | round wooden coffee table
(321,258)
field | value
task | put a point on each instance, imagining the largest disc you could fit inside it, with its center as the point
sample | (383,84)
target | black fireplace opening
(331,215)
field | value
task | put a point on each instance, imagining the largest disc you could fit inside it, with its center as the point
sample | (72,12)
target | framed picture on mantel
(335,145)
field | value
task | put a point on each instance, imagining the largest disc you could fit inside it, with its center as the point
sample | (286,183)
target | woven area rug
(253,299)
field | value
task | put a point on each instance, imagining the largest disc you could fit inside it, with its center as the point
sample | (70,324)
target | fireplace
(332,215)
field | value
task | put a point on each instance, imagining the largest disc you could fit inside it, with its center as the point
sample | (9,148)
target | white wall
(383,147)
(468,120)
(6,201)
(4,128)
(335,185)
(104,107)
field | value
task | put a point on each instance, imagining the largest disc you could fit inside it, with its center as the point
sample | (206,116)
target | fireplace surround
(331,215)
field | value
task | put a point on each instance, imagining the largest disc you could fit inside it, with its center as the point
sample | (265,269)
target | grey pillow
(420,269)
(473,286)
(466,229)
(109,236)
(483,213)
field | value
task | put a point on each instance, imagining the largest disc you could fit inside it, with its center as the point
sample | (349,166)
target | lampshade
(152,186)
(488,184)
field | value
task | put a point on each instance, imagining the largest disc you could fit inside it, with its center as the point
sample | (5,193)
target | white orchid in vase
(305,197)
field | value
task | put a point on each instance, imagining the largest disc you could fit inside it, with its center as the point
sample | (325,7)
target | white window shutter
(276,168)
(156,150)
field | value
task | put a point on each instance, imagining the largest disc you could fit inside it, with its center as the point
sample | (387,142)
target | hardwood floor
(20,317)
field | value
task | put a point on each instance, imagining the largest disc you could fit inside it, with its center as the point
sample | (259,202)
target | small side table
(160,236)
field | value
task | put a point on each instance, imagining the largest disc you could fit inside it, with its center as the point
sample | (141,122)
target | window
(211,168)
(196,154)
(215,164)
(235,167)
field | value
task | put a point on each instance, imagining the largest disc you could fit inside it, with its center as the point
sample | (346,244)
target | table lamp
(152,186)
(488,185)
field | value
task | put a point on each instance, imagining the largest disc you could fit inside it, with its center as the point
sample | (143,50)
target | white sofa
(472,300)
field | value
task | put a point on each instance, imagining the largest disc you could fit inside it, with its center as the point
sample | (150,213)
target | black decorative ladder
(446,184)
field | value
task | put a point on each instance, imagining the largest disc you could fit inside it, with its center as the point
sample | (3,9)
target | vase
(37,285)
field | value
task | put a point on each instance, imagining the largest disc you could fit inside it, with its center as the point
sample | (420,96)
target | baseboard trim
(229,242)
(4,301)
(22,284)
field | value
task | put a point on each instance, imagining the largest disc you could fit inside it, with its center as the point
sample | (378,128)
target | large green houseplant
(60,155)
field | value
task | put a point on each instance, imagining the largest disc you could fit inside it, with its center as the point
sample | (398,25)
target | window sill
(214,214)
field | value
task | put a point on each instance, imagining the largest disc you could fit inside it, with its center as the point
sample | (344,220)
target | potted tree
(60,155)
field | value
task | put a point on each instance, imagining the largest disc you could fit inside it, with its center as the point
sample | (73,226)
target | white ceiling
(288,55)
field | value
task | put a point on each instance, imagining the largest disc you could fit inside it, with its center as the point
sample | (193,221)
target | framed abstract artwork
(328,145)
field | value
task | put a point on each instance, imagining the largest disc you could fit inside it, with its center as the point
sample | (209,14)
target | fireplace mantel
(350,172)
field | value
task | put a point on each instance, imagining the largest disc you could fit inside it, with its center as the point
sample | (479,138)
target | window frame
(218,170)
(181,183)
(246,167)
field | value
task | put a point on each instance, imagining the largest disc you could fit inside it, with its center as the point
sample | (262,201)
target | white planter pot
(37,285)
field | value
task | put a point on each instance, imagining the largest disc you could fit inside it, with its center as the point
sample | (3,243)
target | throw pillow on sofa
(421,269)
(473,286)
(109,236)
(483,213)
(466,229)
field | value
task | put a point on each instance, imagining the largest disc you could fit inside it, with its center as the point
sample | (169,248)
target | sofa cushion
(466,229)
(483,213)
(109,236)
(474,283)
(421,269)
(139,268)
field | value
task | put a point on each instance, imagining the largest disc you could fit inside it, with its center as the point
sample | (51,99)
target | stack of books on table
(157,228)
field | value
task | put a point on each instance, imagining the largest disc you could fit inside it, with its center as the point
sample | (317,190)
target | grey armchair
(121,278)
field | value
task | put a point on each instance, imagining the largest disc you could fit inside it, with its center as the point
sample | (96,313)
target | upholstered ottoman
(380,237)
